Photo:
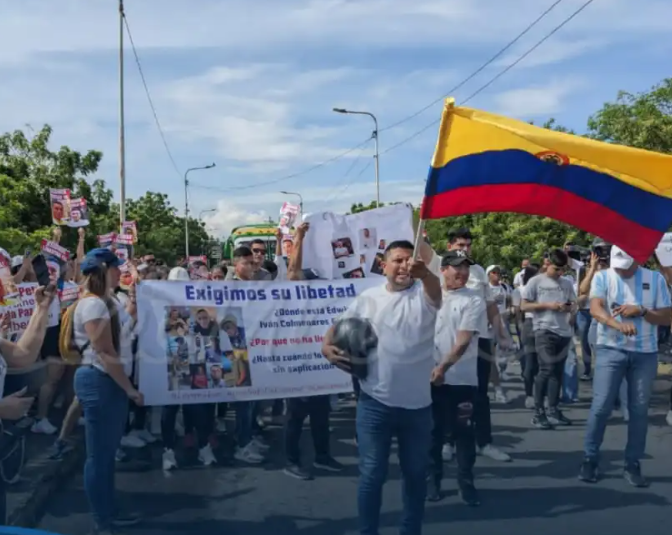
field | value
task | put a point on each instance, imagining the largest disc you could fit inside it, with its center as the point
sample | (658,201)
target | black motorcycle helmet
(356,338)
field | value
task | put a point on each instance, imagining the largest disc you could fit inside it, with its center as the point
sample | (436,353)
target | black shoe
(469,494)
(295,471)
(588,473)
(59,449)
(329,464)
(540,421)
(125,520)
(555,417)
(633,475)
(433,490)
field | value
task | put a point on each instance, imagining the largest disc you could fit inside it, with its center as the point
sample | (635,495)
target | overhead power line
(286,177)
(149,98)
(477,71)
(496,77)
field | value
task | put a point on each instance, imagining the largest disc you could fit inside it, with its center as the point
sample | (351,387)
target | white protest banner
(207,342)
(664,250)
(20,310)
(352,246)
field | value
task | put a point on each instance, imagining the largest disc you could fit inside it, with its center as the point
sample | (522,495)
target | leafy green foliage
(28,169)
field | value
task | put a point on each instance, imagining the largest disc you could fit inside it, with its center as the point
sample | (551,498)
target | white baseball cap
(620,259)
(178,274)
(17,261)
(492,268)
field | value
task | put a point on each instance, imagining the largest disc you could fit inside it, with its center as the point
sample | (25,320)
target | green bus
(244,235)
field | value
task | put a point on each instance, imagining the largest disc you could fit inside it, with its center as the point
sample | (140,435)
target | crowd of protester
(447,330)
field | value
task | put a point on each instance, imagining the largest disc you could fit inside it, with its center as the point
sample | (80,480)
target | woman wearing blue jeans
(101,328)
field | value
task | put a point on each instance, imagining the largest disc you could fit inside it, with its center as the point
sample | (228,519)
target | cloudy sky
(250,84)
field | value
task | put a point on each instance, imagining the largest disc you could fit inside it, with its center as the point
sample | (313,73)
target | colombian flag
(489,163)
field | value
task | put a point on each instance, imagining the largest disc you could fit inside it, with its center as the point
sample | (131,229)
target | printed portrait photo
(341,265)
(342,247)
(376,265)
(354,274)
(382,244)
(232,333)
(367,238)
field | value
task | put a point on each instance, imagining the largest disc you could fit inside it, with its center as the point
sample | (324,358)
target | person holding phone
(102,382)
(629,303)
(550,298)
(22,354)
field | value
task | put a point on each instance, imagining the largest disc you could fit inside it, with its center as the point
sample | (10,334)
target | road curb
(45,477)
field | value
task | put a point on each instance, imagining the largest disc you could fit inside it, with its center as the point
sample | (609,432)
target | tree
(359,207)
(28,169)
(642,120)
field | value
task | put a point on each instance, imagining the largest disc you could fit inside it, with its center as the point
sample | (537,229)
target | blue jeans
(376,425)
(105,407)
(583,321)
(244,411)
(611,367)
(570,380)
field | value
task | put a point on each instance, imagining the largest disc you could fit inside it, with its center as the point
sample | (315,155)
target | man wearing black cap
(455,378)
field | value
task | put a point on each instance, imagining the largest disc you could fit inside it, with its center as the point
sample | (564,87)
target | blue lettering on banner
(299,292)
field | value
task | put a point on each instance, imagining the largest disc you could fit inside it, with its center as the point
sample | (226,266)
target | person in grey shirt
(550,298)
(258,248)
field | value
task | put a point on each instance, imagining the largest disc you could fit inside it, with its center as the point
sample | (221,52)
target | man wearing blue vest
(629,302)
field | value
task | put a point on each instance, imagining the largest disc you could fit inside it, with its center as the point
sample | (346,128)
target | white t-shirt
(94,308)
(478,281)
(462,310)
(399,369)
(54,316)
(518,279)
(500,294)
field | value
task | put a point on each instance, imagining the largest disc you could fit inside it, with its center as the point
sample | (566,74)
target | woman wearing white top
(102,382)
(22,354)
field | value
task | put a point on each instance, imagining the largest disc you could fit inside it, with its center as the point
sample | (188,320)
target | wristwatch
(644,312)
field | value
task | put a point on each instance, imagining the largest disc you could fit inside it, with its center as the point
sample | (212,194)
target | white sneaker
(529,402)
(131,441)
(221,426)
(447,453)
(248,455)
(169,461)
(43,427)
(120,456)
(206,457)
(500,396)
(143,435)
(258,446)
(493,453)
(668,418)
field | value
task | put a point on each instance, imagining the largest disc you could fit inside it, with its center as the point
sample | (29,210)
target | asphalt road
(536,493)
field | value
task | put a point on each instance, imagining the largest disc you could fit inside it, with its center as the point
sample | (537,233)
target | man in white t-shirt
(395,396)
(458,325)
(461,240)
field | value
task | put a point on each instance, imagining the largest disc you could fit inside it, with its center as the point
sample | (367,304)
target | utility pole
(122,140)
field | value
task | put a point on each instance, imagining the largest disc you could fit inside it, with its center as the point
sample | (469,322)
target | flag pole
(444,132)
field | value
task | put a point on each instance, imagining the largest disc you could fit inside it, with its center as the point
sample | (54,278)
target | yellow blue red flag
(488,163)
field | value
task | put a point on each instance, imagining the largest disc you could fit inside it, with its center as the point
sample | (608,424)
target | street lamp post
(186,205)
(207,242)
(297,195)
(374,135)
